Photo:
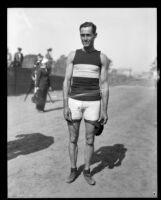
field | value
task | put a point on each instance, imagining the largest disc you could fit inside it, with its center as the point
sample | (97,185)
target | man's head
(39,57)
(88,33)
(50,49)
(19,49)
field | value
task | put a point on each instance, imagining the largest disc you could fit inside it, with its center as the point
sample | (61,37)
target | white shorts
(90,110)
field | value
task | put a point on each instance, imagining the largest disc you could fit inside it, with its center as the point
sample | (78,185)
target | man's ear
(95,35)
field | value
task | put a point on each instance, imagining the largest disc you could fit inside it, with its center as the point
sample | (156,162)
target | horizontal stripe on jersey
(86,70)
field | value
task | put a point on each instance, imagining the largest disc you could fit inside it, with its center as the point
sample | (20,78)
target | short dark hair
(50,49)
(87,24)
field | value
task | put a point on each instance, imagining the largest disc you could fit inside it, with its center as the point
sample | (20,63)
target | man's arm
(22,57)
(38,77)
(104,86)
(67,84)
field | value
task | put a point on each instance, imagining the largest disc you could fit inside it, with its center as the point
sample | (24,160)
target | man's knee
(90,140)
(73,139)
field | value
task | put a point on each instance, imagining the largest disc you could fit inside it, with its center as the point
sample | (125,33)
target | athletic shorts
(90,110)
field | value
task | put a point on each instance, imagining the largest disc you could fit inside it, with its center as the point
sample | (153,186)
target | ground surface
(125,158)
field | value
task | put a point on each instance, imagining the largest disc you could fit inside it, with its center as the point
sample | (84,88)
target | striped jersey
(85,77)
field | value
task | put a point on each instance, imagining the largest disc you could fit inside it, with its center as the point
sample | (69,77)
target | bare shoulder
(104,59)
(71,56)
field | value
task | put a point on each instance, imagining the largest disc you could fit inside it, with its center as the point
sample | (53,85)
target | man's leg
(88,153)
(73,128)
(91,114)
(73,149)
(73,138)
(89,145)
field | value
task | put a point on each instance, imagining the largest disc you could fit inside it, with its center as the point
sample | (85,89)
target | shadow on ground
(28,143)
(52,109)
(106,156)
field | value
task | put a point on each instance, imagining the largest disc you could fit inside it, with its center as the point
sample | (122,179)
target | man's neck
(88,49)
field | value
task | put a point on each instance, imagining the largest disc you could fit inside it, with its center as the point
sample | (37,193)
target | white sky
(128,36)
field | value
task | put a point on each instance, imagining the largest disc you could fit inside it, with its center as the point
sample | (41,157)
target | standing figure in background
(18,58)
(49,55)
(50,59)
(35,70)
(9,58)
(42,84)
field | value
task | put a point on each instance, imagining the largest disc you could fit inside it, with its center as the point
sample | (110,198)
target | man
(9,58)
(50,59)
(48,55)
(18,58)
(85,94)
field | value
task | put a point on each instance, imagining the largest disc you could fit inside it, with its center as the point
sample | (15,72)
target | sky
(128,36)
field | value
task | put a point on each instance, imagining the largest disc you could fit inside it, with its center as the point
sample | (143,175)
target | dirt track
(125,159)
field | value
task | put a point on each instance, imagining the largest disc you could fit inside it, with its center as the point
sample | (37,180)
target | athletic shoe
(41,111)
(88,177)
(73,175)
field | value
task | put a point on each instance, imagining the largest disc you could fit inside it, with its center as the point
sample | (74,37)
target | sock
(73,169)
(87,171)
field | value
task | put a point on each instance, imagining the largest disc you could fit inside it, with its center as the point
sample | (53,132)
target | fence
(18,81)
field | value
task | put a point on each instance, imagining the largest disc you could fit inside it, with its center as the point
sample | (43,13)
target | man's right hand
(67,114)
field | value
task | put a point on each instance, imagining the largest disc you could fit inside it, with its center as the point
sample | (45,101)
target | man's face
(87,36)
(39,58)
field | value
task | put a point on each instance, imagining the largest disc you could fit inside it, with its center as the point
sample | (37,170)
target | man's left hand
(103,118)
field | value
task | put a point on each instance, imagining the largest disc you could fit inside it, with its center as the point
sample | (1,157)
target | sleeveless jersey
(85,77)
